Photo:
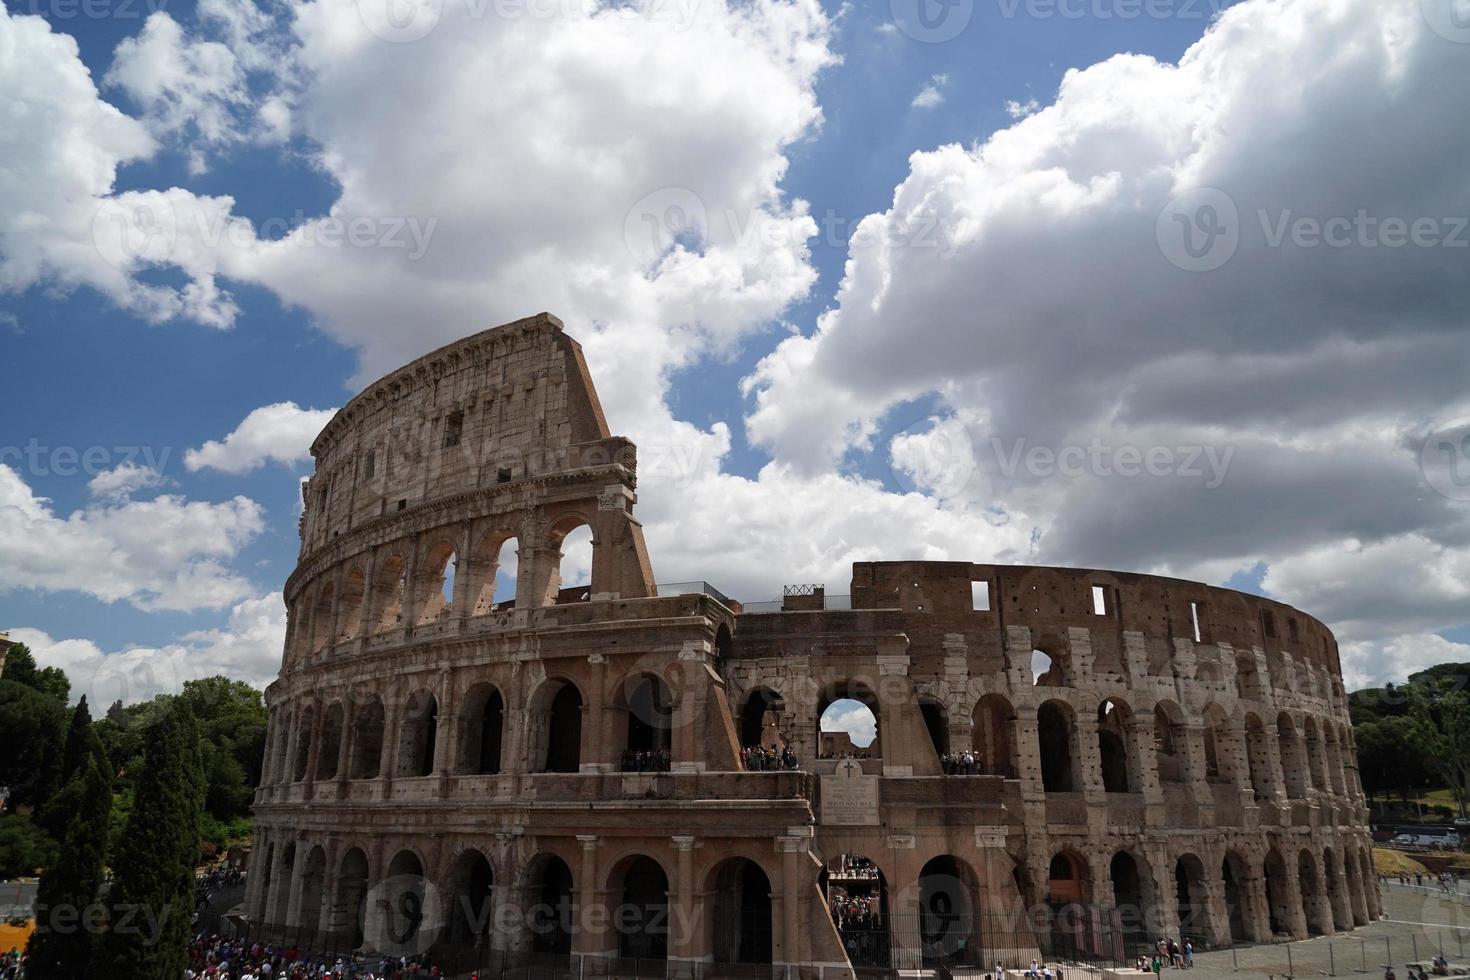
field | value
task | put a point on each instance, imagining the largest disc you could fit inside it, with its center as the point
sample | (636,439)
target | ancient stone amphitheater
(1069,761)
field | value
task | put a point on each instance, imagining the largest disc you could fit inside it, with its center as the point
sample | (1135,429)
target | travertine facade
(1172,757)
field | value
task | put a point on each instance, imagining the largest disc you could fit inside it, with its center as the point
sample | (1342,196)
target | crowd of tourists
(1167,952)
(646,760)
(1445,881)
(962,764)
(12,965)
(758,758)
(860,924)
(214,957)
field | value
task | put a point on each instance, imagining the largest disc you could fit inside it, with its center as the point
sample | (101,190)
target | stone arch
(1314,902)
(1132,885)
(1068,879)
(329,748)
(482,730)
(740,919)
(470,913)
(1056,738)
(573,541)
(554,730)
(993,720)
(278,899)
(949,903)
(644,740)
(936,722)
(1114,716)
(434,583)
(1235,878)
(1169,742)
(724,646)
(638,888)
(1216,736)
(1257,756)
(1280,895)
(313,889)
(1048,668)
(349,606)
(547,886)
(400,908)
(1293,758)
(390,582)
(1337,898)
(856,890)
(367,739)
(305,732)
(418,734)
(321,617)
(1312,743)
(494,568)
(834,742)
(348,908)
(1191,901)
(760,718)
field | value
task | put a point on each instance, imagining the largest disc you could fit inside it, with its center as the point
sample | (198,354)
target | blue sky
(822,401)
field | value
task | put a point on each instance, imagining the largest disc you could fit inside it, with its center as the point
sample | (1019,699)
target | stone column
(791,923)
(294,734)
(329,890)
(1257,911)
(597,733)
(388,758)
(298,880)
(686,743)
(589,930)
(1143,764)
(276,901)
(313,748)
(365,620)
(256,874)
(344,747)
(464,574)
(1337,890)
(1089,757)
(409,609)
(684,947)
(1275,775)
(1028,751)
(1321,910)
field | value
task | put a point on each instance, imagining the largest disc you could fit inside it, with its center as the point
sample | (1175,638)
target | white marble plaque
(849,798)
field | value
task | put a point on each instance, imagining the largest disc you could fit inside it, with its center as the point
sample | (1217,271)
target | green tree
(56,813)
(32,726)
(1439,719)
(62,945)
(152,898)
(1388,761)
(24,847)
(20,667)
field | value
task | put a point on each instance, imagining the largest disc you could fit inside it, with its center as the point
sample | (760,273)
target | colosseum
(467,759)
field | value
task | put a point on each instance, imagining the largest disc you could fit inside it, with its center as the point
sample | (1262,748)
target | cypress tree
(62,944)
(151,904)
(55,815)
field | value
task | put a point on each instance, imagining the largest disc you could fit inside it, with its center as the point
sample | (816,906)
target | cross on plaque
(849,766)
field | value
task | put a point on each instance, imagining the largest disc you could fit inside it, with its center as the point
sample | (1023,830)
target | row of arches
(538,908)
(403,585)
(357,740)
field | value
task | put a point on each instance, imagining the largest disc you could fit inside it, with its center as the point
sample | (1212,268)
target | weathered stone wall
(1185,756)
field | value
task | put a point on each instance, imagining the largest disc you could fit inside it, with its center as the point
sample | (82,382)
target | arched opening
(280,893)
(470,909)
(349,615)
(1293,758)
(1189,896)
(857,898)
(724,647)
(1129,898)
(1048,670)
(435,584)
(1056,735)
(352,889)
(741,917)
(648,733)
(313,890)
(847,722)
(367,739)
(390,581)
(1066,880)
(1313,901)
(494,584)
(1235,875)
(418,735)
(400,903)
(573,579)
(1168,743)
(303,743)
(556,728)
(483,730)
(642,919)
(549,888)
(321,618)
(1334,760)
(948,900)
(760,720)
(1257,758)
(993,718)
(1342,918)
(1312,739)
(266,872)
(1216,733)
(1113,717)
(331,744)
(936,723)
(1278,894)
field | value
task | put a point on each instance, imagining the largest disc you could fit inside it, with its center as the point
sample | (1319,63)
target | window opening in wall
(503,475)
(1194,620)
(980,596)
(402,504)
(1292,630)
(1099,600)
(370,464)
(453,429)
(1268,624)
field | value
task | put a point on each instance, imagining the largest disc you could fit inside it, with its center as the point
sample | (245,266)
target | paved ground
(1418,923)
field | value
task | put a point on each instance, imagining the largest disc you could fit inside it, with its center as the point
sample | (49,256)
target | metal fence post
(1415,940)
(1290,970)
(1364,944)
(1331,960)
